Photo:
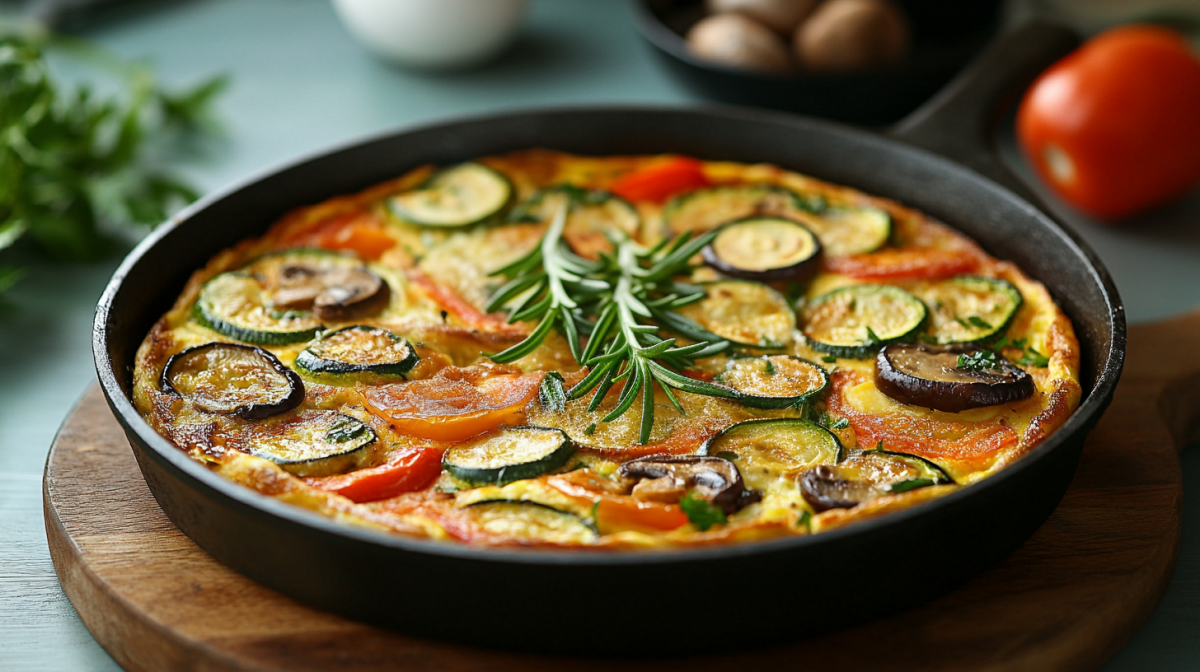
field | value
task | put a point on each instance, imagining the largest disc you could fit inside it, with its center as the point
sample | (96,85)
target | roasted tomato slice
(357,231)
(455,404)
(617,512)
(661,180)
(406,470)
(905,262)
(919,434)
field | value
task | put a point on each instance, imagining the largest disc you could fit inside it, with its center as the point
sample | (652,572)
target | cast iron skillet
(600,603)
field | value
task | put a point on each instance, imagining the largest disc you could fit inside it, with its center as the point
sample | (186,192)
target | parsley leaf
(978,360)
(1033,358)
(829,359)
(769,368)
(73,162)
(910,484)
(840,423)
(805,520)
(701,513)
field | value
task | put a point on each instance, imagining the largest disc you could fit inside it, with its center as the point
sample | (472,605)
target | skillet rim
(1082,419)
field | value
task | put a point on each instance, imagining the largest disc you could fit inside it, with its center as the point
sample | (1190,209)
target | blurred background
(192,96)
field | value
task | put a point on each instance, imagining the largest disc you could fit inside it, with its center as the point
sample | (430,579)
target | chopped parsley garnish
(590,429)
(978,360)
(1033,358)
(805,520)
(769,368)
(1029,356)
(701,513)
(840,423)
(829,359)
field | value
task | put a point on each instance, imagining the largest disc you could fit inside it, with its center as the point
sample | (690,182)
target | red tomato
(455,404)
(408,470)
(661,180)
(1114,127)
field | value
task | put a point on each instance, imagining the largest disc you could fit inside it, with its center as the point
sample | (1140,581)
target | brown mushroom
(824,489)
(667,478)
(738,42)
(850,35)
(336,294)
(781,16)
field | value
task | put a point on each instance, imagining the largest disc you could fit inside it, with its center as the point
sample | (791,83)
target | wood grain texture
(1066,600)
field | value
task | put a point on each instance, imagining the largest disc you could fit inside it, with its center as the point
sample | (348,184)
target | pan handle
(960,120)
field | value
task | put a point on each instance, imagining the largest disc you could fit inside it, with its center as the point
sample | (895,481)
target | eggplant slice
(930,376)
(233,379)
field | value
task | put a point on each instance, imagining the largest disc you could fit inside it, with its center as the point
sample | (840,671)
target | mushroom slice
(667,478)
(824,489)
(234,379)
(332,293)
(931,376)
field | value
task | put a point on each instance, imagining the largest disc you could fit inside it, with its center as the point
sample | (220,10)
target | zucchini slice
(284,297)
(357,350)
(593,217)
(234,379)
(775,381)
(896,468)
(746,313)
(854,321)
(233,304)
(461,195)
(508,455)
(845,231)
(314,443)
(769,449)
(969,309)
(706,209)
(532,521)
(764,248)
(866,475)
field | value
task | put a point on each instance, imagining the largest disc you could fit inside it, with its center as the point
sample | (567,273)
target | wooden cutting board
(1066,600)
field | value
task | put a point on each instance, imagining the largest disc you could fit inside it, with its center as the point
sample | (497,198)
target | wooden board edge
(110,618)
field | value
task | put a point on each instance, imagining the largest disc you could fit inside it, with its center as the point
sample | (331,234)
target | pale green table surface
(302,84)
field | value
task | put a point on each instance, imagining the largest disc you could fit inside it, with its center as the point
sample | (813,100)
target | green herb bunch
(72,161)
(618,303)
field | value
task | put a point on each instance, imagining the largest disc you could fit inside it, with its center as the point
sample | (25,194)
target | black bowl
(946,35)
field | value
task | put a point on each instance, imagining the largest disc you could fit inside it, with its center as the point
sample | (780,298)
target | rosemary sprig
(618,303)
